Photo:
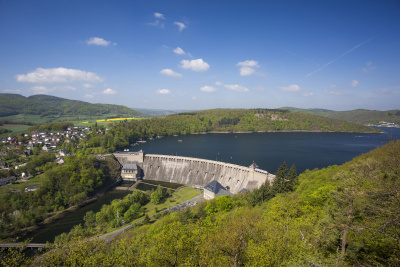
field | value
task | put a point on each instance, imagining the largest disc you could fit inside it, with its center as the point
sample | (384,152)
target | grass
(21,185)
(16,129)
(181,195)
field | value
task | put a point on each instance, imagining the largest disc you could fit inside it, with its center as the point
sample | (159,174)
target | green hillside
(338,216)
(14,104)
(363,116)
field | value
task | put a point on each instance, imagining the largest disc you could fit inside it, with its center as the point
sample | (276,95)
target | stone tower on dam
(195,172)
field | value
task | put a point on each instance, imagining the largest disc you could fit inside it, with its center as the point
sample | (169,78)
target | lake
(269,150)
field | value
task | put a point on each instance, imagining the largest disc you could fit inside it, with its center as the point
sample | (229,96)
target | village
(17,151)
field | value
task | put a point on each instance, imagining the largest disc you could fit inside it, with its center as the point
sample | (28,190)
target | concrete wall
(129,157)
(194,171)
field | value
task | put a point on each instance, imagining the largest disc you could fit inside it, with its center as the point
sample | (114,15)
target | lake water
(269,150)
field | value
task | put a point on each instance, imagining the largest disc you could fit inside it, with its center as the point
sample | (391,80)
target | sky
(192,55)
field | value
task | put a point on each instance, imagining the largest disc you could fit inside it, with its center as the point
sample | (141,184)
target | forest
(61,186)
(12,104)
(124,133)
(344,215)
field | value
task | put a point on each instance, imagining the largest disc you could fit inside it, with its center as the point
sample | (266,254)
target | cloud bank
(57,75)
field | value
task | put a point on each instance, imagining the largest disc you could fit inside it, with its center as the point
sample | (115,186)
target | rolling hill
(363,116)
(13,104)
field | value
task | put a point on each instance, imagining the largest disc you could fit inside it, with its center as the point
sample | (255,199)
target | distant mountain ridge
(13,104)
(363,116)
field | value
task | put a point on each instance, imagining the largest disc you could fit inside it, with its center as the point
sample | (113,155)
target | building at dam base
(194,171)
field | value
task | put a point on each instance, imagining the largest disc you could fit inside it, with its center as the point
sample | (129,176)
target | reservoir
(269,150)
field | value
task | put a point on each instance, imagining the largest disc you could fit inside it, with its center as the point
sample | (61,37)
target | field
(15,128)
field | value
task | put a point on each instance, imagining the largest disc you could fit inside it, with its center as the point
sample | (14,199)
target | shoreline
(55,216)
(283,131)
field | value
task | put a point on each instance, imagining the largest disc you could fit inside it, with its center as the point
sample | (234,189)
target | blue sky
(338,55)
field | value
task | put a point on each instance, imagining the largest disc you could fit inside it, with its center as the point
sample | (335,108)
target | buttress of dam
(195,171)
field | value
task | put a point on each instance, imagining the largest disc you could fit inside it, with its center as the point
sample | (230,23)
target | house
(47,147)
(63,153)
(215,189)
(129,172)
(25,154)
(7,180)
(32,188)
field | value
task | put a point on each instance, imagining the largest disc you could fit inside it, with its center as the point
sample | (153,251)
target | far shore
(283,131)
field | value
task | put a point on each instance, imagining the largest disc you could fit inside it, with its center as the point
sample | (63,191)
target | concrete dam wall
(194,171)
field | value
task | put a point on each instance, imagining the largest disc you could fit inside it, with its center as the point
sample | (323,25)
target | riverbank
(52,217)
(281,131)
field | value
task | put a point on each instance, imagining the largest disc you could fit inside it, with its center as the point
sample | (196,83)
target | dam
(195,171)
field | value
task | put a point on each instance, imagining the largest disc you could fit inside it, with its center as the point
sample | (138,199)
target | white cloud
(88,96)
(194,98)
(219,83)
(307,94)
(87,85)
(332,86)
(179,51)
(248,63)
(247,67)
(40,89)
(98,41)
(57,75)
(12,91)
(163,92)
(195,65)
(236,87)
(180,25)
(109,91)
(290,88)
(354,83)
(159,15)
(157,22)
(208,89)
(170,72)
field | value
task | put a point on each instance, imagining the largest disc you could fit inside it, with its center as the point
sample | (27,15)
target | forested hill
(358,115)
(13,104)
(221,120)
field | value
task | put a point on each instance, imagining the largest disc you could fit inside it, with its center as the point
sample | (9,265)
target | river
(268,150)
(65,224)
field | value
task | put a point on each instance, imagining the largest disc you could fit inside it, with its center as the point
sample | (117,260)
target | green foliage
(44,105)
(55,126)
(61,186)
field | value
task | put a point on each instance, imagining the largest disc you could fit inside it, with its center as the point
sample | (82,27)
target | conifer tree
(280,179)
(291,178)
